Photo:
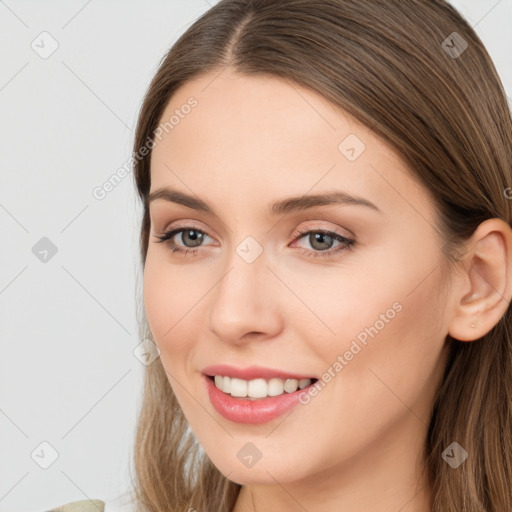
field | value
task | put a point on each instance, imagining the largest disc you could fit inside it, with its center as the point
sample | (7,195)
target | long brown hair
(436,98)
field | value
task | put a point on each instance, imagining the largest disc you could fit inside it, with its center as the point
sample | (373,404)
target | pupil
(196,238)
(320,237)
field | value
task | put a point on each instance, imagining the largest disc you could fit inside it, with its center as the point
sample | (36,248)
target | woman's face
(367,319)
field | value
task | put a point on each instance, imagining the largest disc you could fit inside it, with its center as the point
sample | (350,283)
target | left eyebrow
(304,202)
(281,207)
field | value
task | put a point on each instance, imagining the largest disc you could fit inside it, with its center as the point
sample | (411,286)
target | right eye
(191,232)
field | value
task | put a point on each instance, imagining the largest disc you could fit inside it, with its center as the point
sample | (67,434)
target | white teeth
(275,387)
(238,387)
(258,388)
(304,382)
(291,385)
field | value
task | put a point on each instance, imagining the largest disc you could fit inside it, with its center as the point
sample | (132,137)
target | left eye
(317,238)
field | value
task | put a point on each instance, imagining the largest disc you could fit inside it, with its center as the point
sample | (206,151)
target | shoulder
(81,506)
(122,503)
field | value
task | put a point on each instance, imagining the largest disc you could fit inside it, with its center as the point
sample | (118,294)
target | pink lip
(252,372)
(242,410)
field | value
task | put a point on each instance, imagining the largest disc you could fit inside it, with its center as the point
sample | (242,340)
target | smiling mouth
(258,389)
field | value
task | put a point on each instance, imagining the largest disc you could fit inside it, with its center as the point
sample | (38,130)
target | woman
(327,255)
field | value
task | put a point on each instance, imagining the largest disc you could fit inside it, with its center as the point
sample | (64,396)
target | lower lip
(257,411)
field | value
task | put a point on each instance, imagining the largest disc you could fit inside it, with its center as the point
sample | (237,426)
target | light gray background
(68,375)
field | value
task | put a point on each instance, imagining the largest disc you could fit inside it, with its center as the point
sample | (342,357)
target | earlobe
(485,286)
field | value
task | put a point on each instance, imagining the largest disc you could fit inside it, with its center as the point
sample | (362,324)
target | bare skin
(357,445)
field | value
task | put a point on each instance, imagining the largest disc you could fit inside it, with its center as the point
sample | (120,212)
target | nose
(245,303)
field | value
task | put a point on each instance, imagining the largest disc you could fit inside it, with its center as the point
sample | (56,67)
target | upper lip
(251,372)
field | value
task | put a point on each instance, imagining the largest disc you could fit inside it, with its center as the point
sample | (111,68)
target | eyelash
(346,243)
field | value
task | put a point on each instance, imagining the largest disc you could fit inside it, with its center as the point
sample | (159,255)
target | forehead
(258,116)
(266,136)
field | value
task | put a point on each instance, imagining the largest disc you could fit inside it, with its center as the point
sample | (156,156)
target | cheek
(391,342)
(169,300)
(175,301)
(388,379)
(156,301)
(384,322)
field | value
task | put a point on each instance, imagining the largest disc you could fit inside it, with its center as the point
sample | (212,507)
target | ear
(484,288)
